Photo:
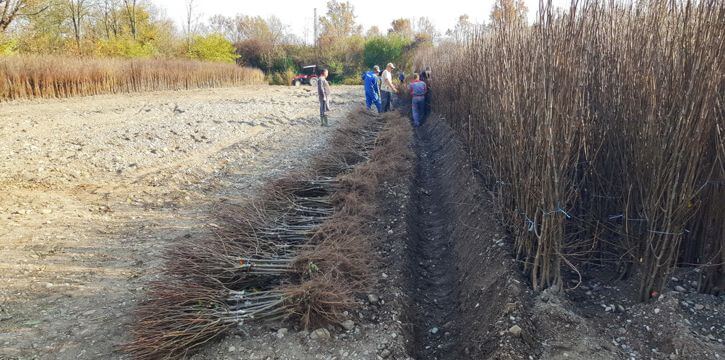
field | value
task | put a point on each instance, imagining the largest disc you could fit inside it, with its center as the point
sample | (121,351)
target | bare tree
(339,22)
(508,12)
(244,27)
(462,32)
(402,27)
(192,21)
(425,26)
(277,30)
(12,9)
(224,25)
(109,13)
(130,7)
(77,9)
(373,31)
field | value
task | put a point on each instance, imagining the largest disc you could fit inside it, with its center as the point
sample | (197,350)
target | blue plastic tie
(531,223)
(559,209)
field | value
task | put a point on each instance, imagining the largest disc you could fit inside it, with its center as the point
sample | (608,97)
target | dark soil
(432,277)
(465,293)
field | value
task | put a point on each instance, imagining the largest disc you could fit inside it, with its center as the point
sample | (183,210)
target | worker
(425,77)
(387,88)
(323,92)
(372,90)
(418,90)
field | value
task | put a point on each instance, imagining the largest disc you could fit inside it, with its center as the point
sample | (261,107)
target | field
(562,199)
(89,218)
(93,191)
(102,197)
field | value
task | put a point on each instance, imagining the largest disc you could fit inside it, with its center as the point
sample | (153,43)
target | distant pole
(314,21)
(314,41)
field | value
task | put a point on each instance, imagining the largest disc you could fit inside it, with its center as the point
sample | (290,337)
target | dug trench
(432,268)
(465,295)
(462,291)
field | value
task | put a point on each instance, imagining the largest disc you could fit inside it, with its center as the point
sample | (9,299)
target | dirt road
(92,189)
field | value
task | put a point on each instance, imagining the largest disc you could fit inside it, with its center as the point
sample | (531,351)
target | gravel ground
(94,188)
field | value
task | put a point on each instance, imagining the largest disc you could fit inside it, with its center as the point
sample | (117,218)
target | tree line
(138,29)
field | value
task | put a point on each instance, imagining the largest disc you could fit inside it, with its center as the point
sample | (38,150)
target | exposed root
(177,318)
(320,300)
(302,250)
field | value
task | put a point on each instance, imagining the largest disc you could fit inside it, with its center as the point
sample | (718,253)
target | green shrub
(381,50)
(8,46)
(288,75)
(276,79)
(335,68)
(352,80)
(282,64)
(214,47)
(124,47)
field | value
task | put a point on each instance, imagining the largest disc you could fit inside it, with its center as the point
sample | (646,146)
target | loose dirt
(433,276)
(93,189)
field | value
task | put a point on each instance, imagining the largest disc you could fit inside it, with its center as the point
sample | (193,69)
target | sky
(298,14)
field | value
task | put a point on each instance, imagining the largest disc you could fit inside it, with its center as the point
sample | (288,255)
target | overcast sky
(297,14)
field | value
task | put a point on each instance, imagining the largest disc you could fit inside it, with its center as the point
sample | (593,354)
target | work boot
(322,120)
(325,122)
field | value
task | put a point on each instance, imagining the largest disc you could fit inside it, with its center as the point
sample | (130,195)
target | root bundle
(301,251)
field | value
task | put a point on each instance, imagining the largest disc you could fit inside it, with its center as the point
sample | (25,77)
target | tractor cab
(308,76)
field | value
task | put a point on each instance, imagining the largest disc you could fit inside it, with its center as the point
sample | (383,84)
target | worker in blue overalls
(372,89)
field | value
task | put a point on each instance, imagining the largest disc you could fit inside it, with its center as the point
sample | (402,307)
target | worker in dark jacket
(372,89)
(323,92)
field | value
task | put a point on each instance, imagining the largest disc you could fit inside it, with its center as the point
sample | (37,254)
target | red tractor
(307,77)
